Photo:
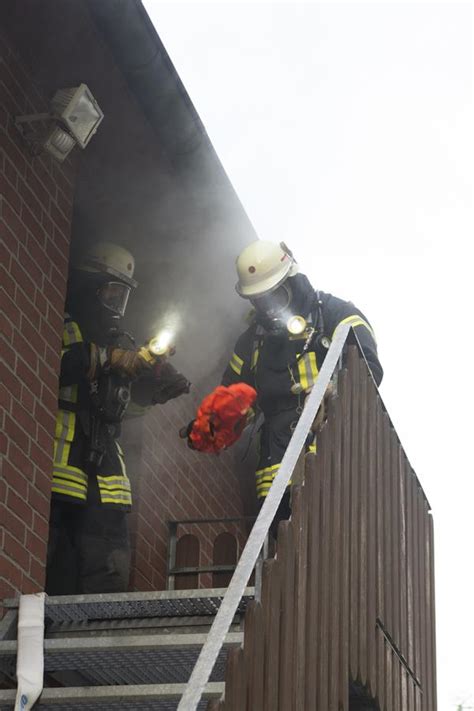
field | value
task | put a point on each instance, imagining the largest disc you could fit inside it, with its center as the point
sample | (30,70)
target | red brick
(6,328)
(38,187)
(11,573)
(29,586)
(6,280)
(28,377)
(38,501)
(4,443)
(43,481)
(31,333)
(10,194)
(30,199)
(44,417)
(25,351)
(14,223)
(19,507)
(8,377)
(61,222)
(30,264)
(58,257)
(49,378)
(15,433)
(27,399)
(12,523)
(55,297)
(20,461)
(7,235)
(41,302)
(44,440)
(27,307)
(24,418)
(16,551)
(17,152)
(42,460)
(37,571)
(36,545)
(22,278)
(32,222)
(41,527)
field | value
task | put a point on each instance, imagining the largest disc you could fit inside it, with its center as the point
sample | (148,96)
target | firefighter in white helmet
(281,352)
(101,371)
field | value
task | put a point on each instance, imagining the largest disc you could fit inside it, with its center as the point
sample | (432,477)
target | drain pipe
(30,651)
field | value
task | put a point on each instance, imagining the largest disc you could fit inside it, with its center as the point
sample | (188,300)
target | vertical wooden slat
(286,666)
(403,589)
(271,602)
(395,474)
(344,393)
(379,483)
(232,679)
(421,592)
(299,517)
(334,577)
(371,538)
(387,515)
(313,482)
(363,521)
(432,615)
(354,562)
(324,586)
(412,563)
(388,677)
(253,655)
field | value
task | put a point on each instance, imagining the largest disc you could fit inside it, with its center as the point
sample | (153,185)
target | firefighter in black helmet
(88,550)
(282,351)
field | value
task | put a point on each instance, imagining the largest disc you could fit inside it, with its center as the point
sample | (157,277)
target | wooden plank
(403,555)
(412,563)
(314,582)
(388,557)
(432,661)
(271,602)
(334,573)
(299,519)
(231,679)
(395,577)
(251,662)
(354,562)
(423,515)
(344,393)
(363,521)
(286,549)
(254,660)
(324,589)
(372,502)
(388,678)
(379,481)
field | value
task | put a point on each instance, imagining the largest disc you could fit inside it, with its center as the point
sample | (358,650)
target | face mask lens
(274,303)
(114,296)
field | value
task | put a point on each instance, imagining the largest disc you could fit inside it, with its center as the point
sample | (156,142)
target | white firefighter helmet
(262,267)
(111,259)
(116,265)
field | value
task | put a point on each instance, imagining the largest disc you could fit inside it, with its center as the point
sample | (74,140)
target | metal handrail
(225,615)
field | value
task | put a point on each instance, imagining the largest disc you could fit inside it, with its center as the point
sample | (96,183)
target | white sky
(347,131)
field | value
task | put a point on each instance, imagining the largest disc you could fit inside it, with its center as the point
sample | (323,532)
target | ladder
(121,651)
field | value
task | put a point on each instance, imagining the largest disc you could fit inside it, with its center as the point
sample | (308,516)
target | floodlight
(74,118)
(79,111)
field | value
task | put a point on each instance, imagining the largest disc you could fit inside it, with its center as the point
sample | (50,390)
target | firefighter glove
(168,383)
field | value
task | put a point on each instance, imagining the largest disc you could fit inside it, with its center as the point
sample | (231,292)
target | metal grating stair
(121,651)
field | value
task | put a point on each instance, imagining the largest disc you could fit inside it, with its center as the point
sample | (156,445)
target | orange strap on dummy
(221,417)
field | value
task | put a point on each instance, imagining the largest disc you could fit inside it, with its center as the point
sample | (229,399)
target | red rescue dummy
(221,417)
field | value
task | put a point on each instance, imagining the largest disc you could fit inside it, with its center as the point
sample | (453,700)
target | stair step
(119,606)
(146,697)
(145,659)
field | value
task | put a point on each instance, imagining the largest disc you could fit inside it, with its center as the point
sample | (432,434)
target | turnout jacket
(275,363)
(72,477)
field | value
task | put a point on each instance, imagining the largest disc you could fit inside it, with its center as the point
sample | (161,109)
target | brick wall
(171,482)
(35,218)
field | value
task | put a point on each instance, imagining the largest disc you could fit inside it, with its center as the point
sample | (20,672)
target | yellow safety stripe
(255,354)
(65,425)
(114,482)
(68,393)
(124,499)
(308,370)
(356,320)
(236,363)
(73,474)
(71,333)
(67,490)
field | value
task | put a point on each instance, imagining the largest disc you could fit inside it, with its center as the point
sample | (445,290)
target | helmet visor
(273,304)
(113,295)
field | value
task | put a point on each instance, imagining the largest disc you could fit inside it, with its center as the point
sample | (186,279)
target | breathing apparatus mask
(284,310)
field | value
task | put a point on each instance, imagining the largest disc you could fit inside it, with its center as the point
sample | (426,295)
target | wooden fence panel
(349,597)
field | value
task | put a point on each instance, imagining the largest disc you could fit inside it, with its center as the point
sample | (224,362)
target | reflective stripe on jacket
(70,478)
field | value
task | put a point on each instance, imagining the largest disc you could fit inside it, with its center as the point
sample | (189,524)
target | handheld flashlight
(161,345)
